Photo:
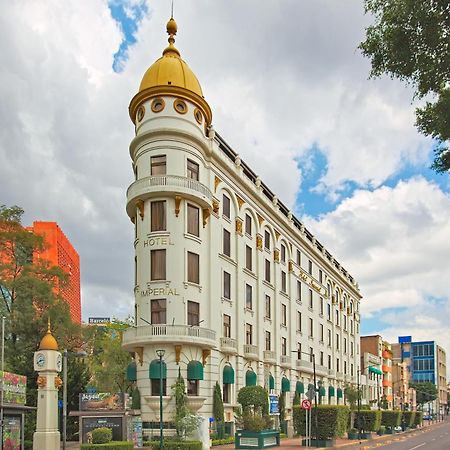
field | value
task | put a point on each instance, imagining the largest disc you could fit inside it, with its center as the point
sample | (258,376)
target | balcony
(331,373)
(321,370)
(305,366)
(228,345)
(386,369)
(251,352)
(387,383)
(168,334)
(339,376)
(171,185)
(386,354)
(285,361)
(270,357)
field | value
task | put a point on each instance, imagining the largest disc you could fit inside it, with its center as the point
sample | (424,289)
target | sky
(290,92)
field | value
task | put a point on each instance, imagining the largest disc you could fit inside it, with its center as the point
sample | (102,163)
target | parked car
(427,417)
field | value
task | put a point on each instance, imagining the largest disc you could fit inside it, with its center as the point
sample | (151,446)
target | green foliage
(185,421)
(351,396)
(218,412)
(282,407)
(113,445)
(425,392)
(409,41)
(368,420)
(175,445)
(255,407)
(418,418)
(331,419)
(101,435)
(390,418)
(297,399)
(225,441)
(135,399)
(408,418)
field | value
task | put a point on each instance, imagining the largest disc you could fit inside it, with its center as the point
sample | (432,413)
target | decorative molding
(216,206)
(276,255)
(177,205)
(217,181)
(239,225)
(140,207)
(178,353)
(277,234)
(140,353)
(58,382)
(41,381)
(290,266)
(206,214)
(260,219)
(240,201)
(206,352)
(259,242)
(315,286)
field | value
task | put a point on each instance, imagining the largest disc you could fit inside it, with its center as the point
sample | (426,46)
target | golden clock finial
(48,342)
(48,325)
(172,29)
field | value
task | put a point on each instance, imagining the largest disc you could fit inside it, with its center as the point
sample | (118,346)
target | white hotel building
(228,282)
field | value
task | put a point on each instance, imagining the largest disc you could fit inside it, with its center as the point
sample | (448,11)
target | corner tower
(170,204)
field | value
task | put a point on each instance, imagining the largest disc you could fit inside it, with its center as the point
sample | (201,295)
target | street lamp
(160,354)
(66,353)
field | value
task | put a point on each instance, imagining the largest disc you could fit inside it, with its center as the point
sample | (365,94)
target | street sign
(306,404)
(311,393)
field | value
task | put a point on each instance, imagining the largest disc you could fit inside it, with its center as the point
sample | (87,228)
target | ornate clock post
(47,362)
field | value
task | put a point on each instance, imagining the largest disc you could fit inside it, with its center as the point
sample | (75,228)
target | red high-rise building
(60,252)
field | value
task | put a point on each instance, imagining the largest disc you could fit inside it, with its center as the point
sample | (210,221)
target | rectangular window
(337,317)
(328,311)
(226,210)
(337,365)
(299,350)
(337,341)
(345,345)
(311,328)
(248,257)
(329,361)
(158,262)
(155,386)
(226,242)
(193,317)
(351,369)
(329,338)
(283,346)
(248,225)
(158,311)
(193,268)
(226,326)
(299,290)
(345,367)
(311,354)
(158,165)
(158,216)
(310,267)
(320,276)
(352,348)
(321,359)
(267,270)
(351,327)
(268,341)
(268,307)
(321,333)
(266,240)
(345,322)
(311,298)
(299,321)
(283,281)
(226,285)
(248,296)
(321,306)
(248,334)
(299,258)
(226,388)
(283,253)
(192,387)
(283,314)
(193,225)
(192,170)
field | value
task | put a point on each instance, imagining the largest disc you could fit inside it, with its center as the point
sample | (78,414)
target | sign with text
(14,388)
(273,404)
(115,424)
(99,320)
(101,401)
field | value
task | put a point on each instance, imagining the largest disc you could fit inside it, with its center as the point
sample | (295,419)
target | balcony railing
(339,376)
(228,345)
(321,370)
(285,361)
(331,373)
(250,351)
(180,334)
(270,356)
(304,365)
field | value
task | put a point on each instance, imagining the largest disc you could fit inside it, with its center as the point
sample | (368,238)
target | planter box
(320,443)
(256,439)
(359,435)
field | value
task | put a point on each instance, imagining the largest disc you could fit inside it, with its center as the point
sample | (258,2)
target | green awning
(153,370)
(131,371)
(375,370)
(195,370)
(285,385)
(339,393)
(322,391)
(330,391)
(250,378)
(271,382)
(228,375)
(300,387)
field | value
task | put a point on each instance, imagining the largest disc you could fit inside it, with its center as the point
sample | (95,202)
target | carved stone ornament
(206,214)
(58,382)
(41,381)
(205,354)
(290,266)
(140,354)
(260,219)
(240,201)
(238,225)
(140,207)
(216,206)
(259,242)
(177,205)
(276,255)
(217,181)
(277,234)
(178,353)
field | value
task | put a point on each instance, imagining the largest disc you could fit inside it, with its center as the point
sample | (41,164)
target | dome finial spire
(172,29)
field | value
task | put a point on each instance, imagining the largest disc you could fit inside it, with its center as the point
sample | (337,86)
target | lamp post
(160,354)
(66,353)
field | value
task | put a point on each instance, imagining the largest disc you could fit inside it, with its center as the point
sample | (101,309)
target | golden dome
(48,342)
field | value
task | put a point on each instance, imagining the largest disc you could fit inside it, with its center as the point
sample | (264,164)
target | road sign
(306,404)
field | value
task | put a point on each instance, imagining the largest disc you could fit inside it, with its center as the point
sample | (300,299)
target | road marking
(417,446)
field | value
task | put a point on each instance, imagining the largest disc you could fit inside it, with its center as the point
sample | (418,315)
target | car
(397,429)
(427,417)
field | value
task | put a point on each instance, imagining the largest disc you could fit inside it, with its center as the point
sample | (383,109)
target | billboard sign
(14,388)
(273,404)
(99,320)
(102,401)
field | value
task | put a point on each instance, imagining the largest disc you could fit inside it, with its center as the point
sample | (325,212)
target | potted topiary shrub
(352,433)
(254,421)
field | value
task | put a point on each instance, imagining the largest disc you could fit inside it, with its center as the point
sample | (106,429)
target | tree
(425,392)
(351,397)
(410,41)
(282,411)
(218,412)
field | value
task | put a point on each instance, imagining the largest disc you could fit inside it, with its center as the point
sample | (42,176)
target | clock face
(40,360)
(59,363)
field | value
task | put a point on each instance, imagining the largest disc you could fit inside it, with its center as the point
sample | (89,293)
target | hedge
(408,418)
(418,418)
(101,435)
(391,418)
(370,420)
(331,420)
(175,445)
(113,445)
(228,440)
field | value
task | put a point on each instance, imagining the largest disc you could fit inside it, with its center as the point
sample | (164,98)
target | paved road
(436,437)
